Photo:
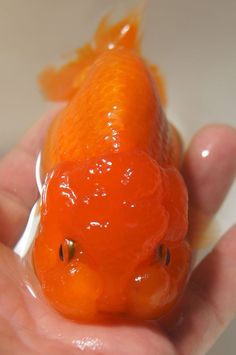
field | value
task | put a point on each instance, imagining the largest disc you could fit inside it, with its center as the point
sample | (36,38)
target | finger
(209,303)
(210,167)
(18,190)
(209,170)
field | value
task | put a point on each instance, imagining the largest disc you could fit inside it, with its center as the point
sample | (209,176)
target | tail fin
(123,34)
(61,84)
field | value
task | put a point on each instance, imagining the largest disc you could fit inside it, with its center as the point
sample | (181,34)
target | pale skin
(30,326)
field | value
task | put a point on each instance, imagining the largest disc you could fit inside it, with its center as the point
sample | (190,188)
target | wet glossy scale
(111,238)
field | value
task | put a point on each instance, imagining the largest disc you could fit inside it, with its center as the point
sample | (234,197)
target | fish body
(114,206)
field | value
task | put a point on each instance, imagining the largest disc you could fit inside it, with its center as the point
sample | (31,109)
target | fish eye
(163,254)
(67,250)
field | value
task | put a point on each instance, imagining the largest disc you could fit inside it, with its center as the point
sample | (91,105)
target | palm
(30,326)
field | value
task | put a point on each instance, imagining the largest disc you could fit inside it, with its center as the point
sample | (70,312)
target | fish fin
(203,231)
(123,34)
(160,83)
(61,84)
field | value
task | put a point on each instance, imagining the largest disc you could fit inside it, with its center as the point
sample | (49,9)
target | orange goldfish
(114,212)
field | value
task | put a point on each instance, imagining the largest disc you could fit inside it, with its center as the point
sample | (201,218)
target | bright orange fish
(114,208)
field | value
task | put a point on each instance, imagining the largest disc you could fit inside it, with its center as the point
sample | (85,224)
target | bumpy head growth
(111,237)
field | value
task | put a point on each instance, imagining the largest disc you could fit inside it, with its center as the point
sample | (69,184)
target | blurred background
(193,42)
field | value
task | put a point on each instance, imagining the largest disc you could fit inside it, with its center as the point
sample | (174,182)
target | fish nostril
(67,250)
(163,254)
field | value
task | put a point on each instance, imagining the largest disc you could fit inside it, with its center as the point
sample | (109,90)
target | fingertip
(210,166)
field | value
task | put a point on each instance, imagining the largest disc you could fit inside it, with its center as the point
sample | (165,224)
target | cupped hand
(28,325)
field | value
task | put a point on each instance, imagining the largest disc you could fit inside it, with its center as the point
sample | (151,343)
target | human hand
(28,325)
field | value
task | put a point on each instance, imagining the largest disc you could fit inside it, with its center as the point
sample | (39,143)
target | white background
(192,41)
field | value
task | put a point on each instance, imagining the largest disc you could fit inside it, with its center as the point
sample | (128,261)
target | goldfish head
(111,237)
